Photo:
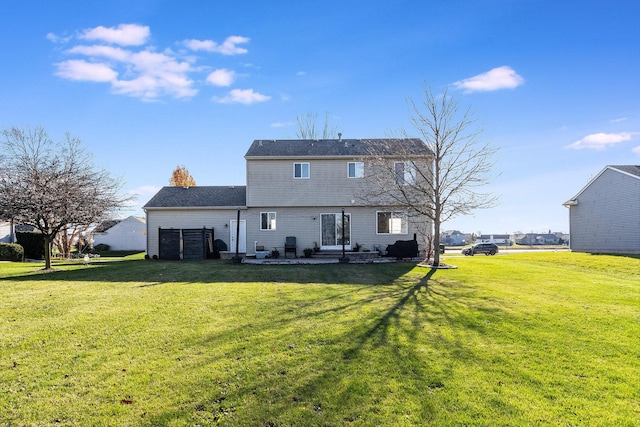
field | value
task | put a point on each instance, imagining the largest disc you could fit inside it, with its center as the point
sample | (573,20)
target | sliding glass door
(334,230)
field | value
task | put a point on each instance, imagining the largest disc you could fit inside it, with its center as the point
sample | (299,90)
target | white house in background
(295,188)
(122,235)
(604,217)
(498,239)
(7,233)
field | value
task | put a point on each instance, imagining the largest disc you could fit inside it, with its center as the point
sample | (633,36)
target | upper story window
(301,170)
(267,220)
(355,169)
(405,173)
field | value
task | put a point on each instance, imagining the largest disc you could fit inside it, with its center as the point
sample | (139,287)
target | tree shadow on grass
(386,364)
(149,273)
(398,338)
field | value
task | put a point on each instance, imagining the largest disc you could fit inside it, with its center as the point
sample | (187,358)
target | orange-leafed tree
(182,178)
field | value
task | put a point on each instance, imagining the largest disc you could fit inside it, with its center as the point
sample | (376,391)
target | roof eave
(339,156)
(168,208)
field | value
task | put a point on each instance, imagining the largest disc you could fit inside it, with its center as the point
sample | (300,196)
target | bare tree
(53,186)
(449,185)
(67,237)
(307,127)
(182,178)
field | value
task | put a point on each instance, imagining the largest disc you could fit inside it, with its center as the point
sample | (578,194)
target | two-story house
(318,191)
(604,217)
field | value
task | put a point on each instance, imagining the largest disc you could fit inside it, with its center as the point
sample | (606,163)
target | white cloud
(86,71)
(498,78)
(636,150)
(618,120)
(108,52)
(281,124)
(57,39)
(228,47)
(145,190)
(149,87)
(145,74)
(206,45)
(243,96)
(158,63)
(119,56)
(600,141)
(124,34)
(221,77)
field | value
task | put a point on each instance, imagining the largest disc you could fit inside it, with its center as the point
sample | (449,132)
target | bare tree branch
(53,185)
(307,127)
(450,183)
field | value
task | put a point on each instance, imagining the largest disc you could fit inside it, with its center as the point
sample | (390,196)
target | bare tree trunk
(47,252)
(53,185)
(446,184)
(436,243)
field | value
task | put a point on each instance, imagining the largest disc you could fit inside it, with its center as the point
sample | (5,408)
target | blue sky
(150,85)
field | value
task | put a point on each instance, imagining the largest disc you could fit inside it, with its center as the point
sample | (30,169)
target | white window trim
(408,172)
(270,220)
(356,170)
(301,168)
(403,215)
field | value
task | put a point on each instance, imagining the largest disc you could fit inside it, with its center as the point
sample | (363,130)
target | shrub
(101,247)
(11,252)
(32,243)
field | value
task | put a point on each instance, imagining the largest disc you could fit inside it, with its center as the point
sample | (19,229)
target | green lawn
(514,339)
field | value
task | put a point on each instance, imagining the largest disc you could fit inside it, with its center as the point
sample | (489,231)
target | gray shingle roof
(105,225)
(199,197)
(337,147)
(630,169)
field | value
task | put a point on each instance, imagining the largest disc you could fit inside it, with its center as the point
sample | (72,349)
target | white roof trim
(623,172)
(194,208)
(574,200)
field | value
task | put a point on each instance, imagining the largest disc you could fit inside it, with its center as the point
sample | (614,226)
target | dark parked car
(481,248)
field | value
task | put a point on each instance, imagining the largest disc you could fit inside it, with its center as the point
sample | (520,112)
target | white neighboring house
(604,217)
(7,234)
(498,239)
(129,234)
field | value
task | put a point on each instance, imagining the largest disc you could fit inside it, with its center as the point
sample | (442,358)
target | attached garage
(181,221)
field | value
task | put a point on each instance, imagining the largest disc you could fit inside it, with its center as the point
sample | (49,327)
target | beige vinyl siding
(607,216)
(271,183)
(188,218)
(304,223)
(298,204)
